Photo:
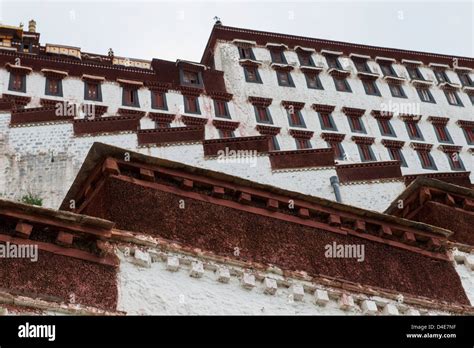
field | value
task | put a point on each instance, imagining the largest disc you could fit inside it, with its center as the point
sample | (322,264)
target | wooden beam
(272,204)
(23,230)
(111,167)
(64,239)
(147,174)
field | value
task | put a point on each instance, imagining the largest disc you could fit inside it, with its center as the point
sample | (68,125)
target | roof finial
(111,53)
(218,20)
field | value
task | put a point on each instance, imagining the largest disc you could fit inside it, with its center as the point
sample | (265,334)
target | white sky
(180,29)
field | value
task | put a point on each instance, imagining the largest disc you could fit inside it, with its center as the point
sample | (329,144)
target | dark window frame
(334,64)
(186,100)
(374,84)
(299,115)
(391,71)
(430,96)
(99,91)
(280,54)
(11,82)
(319,84)
(449,139)
(401,157)
(226,113)
(431,165)
(268,114)
(418,130)
(200,82)
(338,145)
(350,120)
(243,56)
(415,73)
(47,89)
(289,78)
(467,76)
(381,129)
(456,96)
(134,93)
(346,83)
(153,100)
(391,87)
(451,162)
(441,76)
(308,56)
(370,152)
(300,141)
(258,79)
(331,121)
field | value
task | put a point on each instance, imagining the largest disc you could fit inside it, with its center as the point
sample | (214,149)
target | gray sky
(180,29)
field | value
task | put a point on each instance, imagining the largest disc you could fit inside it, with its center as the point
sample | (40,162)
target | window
(251,74)
(465,79)
(191,104)
(263,114)
(453,98)
(158,100)
(442,133)
(414,73)
(278,57)
(54,87)
(426,160)
(226,133)
(413,131)
(295,118)
(338,149)
(313,81)
(333,62)
(356,124)
(92,91)
(385,127)
(471,97)
(284,79)
(366,154)
(388,70)
(370,87)
(397,91)
(17,82)
(273,143)
(130,97)
(327,123)
(302,143)
(189,77)
(425,95)
(221,108)
(396,154)
(305,60)
(469,134)
(441,76)
(341,84)
(361,65)
(455,161)
(246,53)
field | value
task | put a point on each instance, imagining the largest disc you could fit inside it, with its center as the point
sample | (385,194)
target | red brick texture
(262,239)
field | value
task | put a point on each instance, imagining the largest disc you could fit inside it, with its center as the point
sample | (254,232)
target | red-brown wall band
(266,240)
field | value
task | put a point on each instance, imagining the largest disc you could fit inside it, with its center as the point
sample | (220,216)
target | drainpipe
(335,186)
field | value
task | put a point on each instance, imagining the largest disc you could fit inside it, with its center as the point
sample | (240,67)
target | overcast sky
(180,29)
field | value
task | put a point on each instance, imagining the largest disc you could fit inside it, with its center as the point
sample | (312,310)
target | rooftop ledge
(305,158)
(213,147)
